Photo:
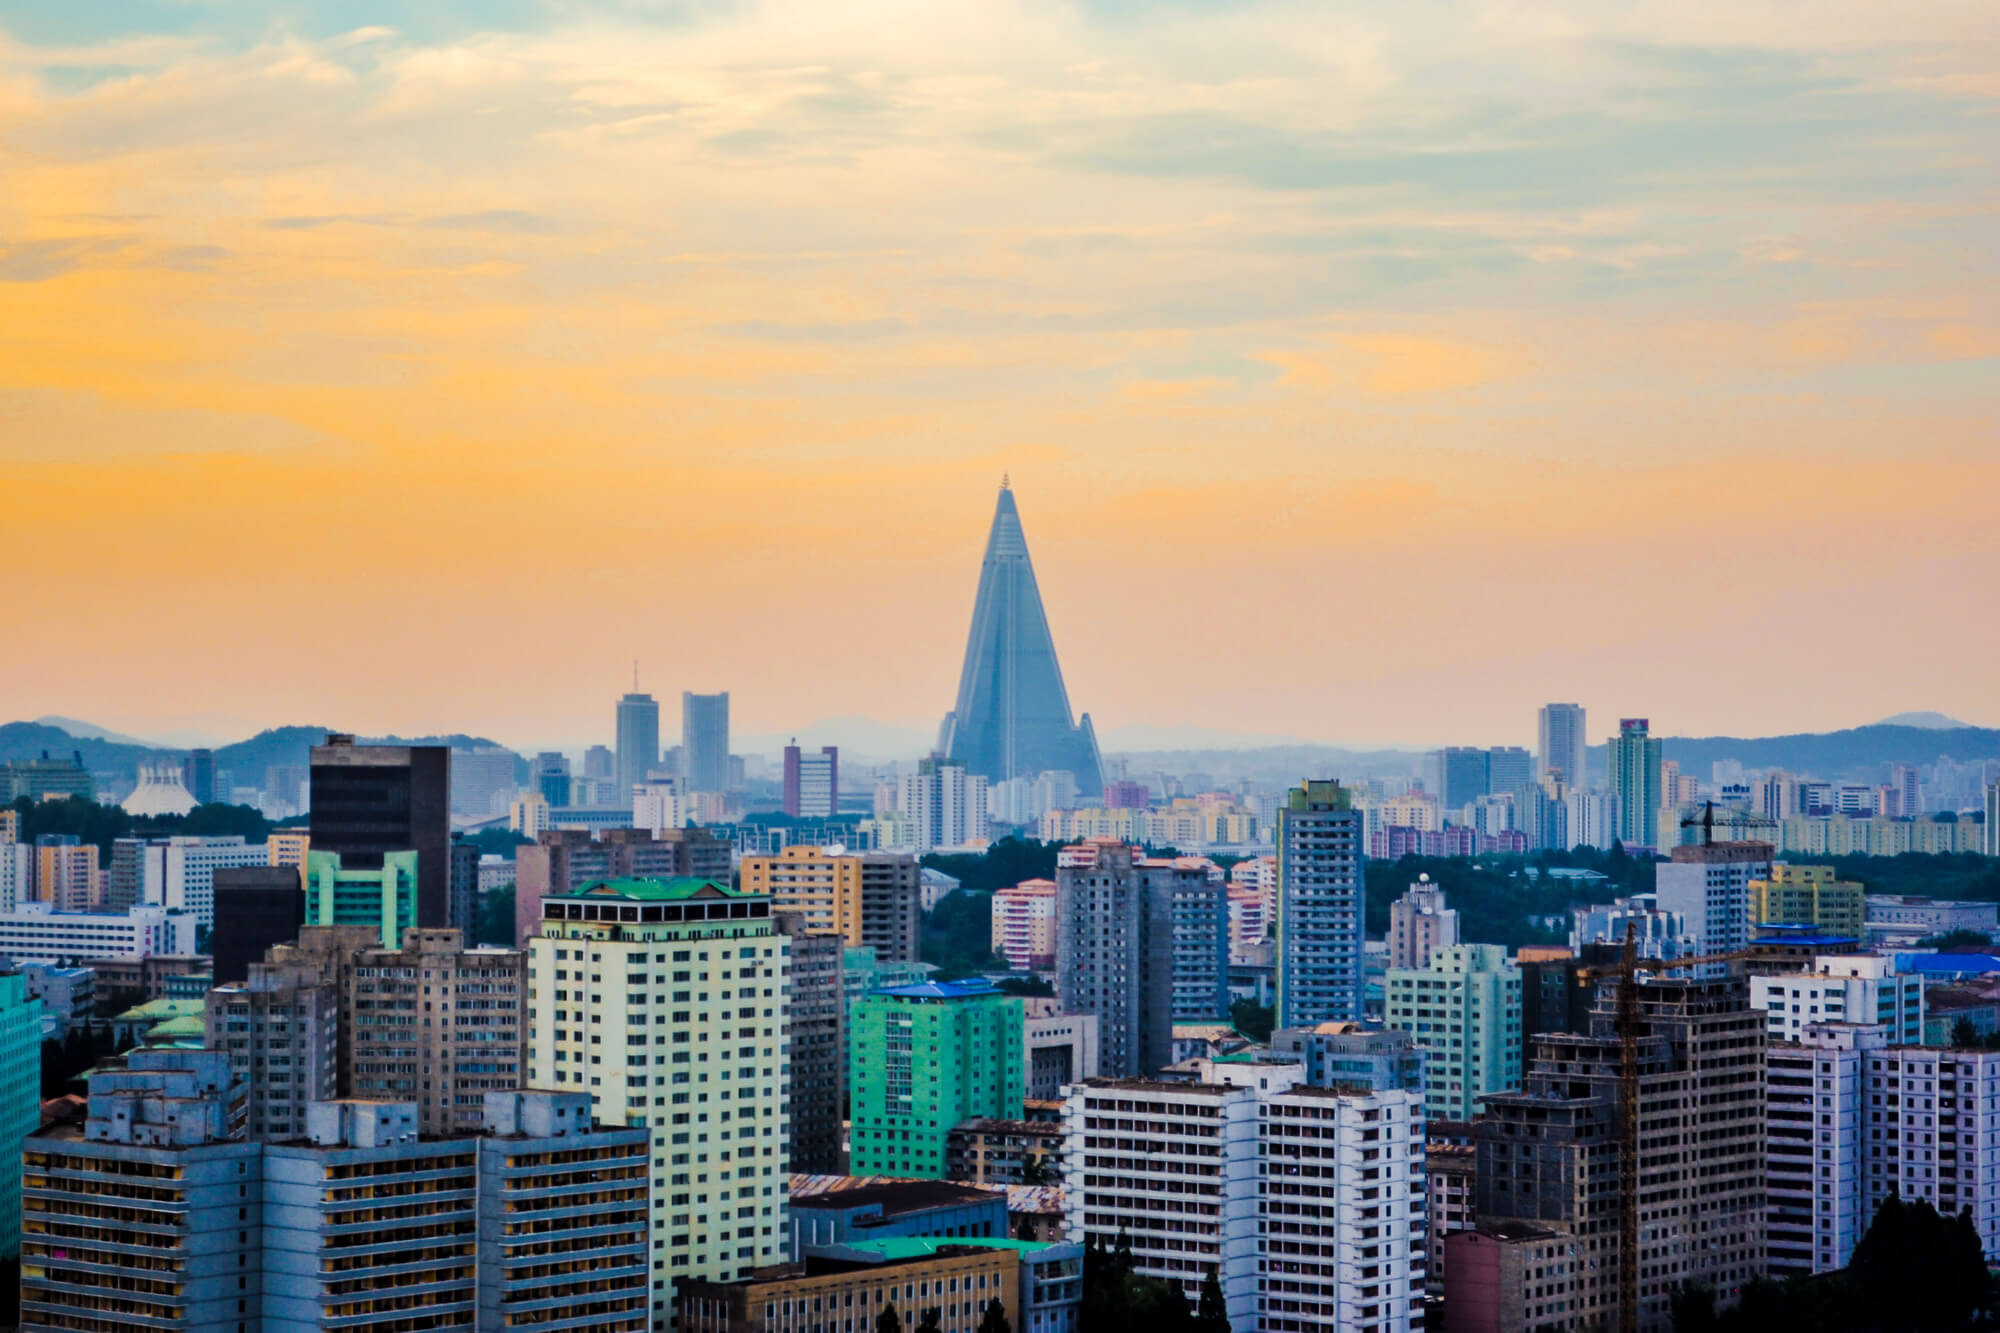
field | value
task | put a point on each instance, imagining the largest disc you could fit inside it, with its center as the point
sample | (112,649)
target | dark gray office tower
(638,742)
(464,885)
(1115,955)
(198,775)
(1462,778)
(256,907)
(704,742)
(819,1047)
(372,799)
(1012,717)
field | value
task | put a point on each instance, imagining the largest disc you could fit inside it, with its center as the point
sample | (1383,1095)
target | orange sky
(1367,379)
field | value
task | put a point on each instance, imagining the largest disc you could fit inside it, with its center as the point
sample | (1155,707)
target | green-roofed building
(189,1033)
(922,1059)
(668,1001)
(384,898)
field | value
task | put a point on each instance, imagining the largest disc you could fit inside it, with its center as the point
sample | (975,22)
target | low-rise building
(1808,896)
(839,1288)
(1339,1054)
(1899,920)
(1003,1152)
(1058,1049)
(35,932)
(839,1210)
(1448,1176)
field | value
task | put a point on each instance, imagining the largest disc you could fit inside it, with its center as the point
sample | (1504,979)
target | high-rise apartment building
(1115,954)
(1809,896)
(1633,760)
(1855,1117)
(1011,717)
(871,899)
(1024,924)
(1547,1191)
(482,781)
(20,1097)
(1420,924)
(1320,858)
(66,873)
(638,741)
(550,776)
(812,782)
(565,859)
(1464,1009)
(817,1035)
(1307,1203)
(437,1024)
(1708,886)
(280,1027)
(668,1001)
(1561,743)
(705,741)
(1990,829)
(1463,777)
(924,1058)
(371,800)
(1842,988)
(357,1221)
(177,872)
(945,806)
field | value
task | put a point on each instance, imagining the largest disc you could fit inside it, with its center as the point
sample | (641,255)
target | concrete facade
(924,1058)
(1320,859)
(1464,1009)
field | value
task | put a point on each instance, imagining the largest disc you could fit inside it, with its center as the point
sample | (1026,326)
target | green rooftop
(160,1011)
(922,1247)
(654,890)
(189,1026)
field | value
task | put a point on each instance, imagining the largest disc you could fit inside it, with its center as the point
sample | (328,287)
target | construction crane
(1734,819)
(1627,970)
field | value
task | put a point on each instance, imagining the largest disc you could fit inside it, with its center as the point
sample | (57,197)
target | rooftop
(895,1197)
(923,1247)
(944,990)
(655,890)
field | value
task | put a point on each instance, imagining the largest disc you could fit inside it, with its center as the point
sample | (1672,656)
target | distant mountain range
(106,752)
(1858,753)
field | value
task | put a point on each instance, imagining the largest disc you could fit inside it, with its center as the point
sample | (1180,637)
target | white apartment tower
(1842,988)
(668,1001)
(1852,1118)
(1307,1202)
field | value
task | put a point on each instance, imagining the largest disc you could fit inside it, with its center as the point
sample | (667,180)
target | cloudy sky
(1369,373)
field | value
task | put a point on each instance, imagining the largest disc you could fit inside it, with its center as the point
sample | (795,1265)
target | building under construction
(1548,1192)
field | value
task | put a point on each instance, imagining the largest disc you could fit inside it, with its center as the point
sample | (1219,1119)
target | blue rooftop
(1948,962)
(943,990)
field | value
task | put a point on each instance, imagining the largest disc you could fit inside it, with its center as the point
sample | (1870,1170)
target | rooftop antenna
(1003,482)
(635,675)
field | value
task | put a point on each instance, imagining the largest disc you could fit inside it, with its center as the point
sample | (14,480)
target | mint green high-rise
(385,898)
(1465,1011)
(922,1059)
(20,1098)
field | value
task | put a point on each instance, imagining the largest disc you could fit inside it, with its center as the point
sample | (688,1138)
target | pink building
(1125,794)
(1419,922)
(1024,925)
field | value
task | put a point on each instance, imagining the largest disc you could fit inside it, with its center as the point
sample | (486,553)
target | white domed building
(159,791)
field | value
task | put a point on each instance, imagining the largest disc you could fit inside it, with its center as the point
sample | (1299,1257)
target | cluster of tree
(101,825)
(1252,1019)
(1497,898)
(992,1320)
(1937,875)
(958,935)
(1002,865)
(493,921)
(1915,1271)
(65,1061)
(1958,939)
(1114,1296)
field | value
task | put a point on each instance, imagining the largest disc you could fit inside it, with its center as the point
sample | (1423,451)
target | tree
(1957,939)
(1252,1019)
(995,1319)
(1212,1314)
(889,1321)
(1964,1036)
(1691,1305)
(493,923)
(932,1321)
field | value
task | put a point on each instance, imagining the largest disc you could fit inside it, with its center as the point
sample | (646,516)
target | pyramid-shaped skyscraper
(1013,718)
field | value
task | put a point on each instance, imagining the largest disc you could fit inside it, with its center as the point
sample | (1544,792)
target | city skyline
(1301,319)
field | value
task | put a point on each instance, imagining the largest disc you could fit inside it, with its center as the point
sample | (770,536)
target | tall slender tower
(638,741)
(1012,718)
(1633,764)
(1560,740)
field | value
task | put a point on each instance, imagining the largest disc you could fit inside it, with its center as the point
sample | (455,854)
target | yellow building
(67,876)
(868,898)
(1808,895)
(287,847)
